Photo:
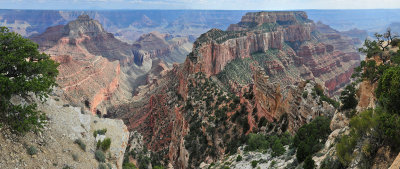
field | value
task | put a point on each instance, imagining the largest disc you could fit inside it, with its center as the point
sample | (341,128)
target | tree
(309,163)
(310,137)
(23,70)
(388,90)
(348,98)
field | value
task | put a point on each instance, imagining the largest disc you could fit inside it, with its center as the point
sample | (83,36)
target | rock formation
(98,70)
(200,110)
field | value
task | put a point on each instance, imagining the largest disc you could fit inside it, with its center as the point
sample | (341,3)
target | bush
(81,144)
(23,70)
(309,163)
(388,90)
(277,148)
(32,150)
(103,166)
(129,166)
(158,167)
(257,142)
(254,163)
(99,155)
(348,98)
(310,137)
(305,94)
(105,144)
(361,125)
(99,132)
(239,158)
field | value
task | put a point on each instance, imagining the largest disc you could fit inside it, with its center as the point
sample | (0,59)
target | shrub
(81,144)
(239,158)
(99,132)
(388,90)
(348,98)
(330,163)
(305,94)
(257,142)
(129,166)
(99,155)
(309,163)
(32,150)
(310,137)
(158,167)
(102,166)
(23,70)
(254,163)
(277,148)
(105,144)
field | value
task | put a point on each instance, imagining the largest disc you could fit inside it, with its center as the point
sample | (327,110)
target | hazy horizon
(199,4)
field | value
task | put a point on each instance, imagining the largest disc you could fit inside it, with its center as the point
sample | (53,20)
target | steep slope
(233,83)
(55,144)
(90,61)
(97,70)
(294,40)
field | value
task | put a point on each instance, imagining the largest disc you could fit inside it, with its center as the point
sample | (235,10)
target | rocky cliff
(328,57)
(55,144)
(234,83)
(96,69)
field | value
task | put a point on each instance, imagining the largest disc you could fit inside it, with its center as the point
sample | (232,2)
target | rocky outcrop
(96,69)
(155,45)
(188,115)
(329,59)
(55,144)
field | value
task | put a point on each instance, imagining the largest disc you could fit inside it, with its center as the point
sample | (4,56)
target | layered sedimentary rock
(96,69)
(329,56)
(85,76)
(192,114)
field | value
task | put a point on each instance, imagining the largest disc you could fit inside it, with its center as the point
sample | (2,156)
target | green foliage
(330,163)
(277,148)
(395,58)
(239,158)
(99,132)
(158,167)
(23,70)
(348,98)
(102,166)
(81,144)
(309,163)
(254,163)
(260,142)
(305,94)
(361,125)
(370,48)
(104,145)
(388,127)
(257,142)
(320,92)
(32,150)
(99,155)
(388,91)
(344,149)
(128,166)
(310,137)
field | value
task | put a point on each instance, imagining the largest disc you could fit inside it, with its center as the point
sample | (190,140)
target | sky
(200,4)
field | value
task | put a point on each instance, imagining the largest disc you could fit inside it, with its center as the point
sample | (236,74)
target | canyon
(96,69)
(261,70)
